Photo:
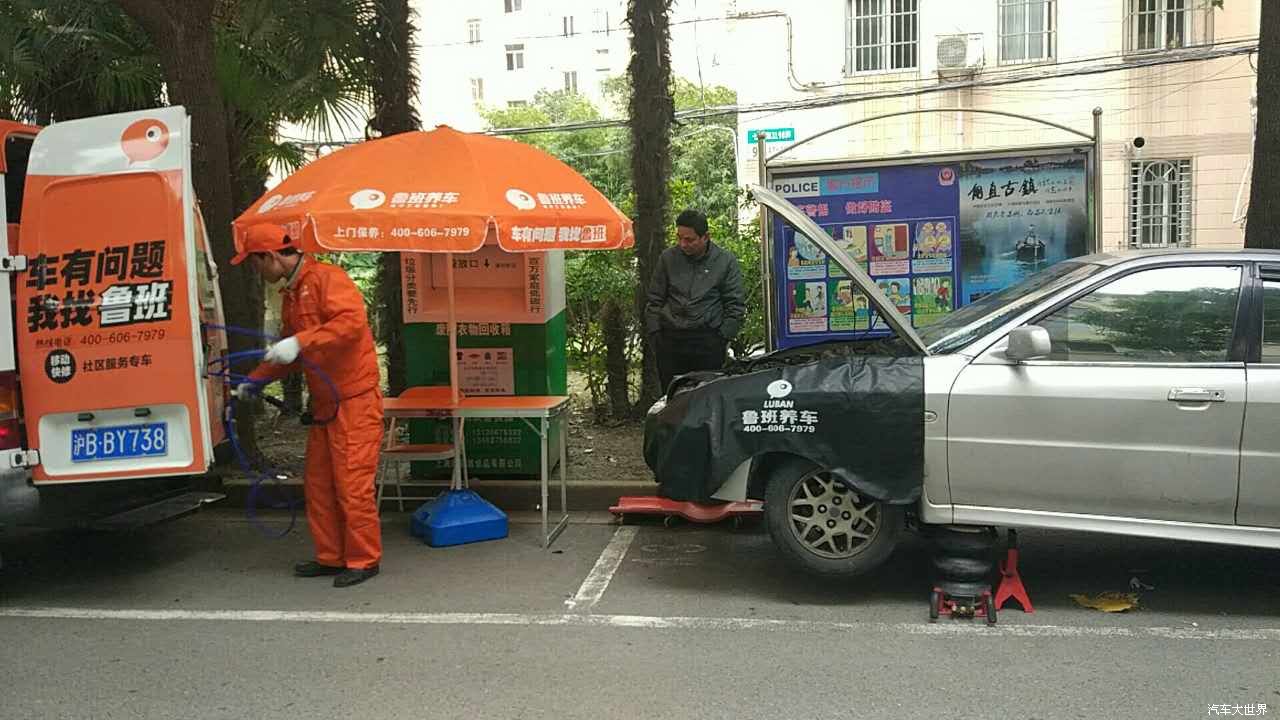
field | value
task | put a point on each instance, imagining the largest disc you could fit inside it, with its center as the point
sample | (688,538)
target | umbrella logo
(144,140)
(367,199)
(270,204)
(521,199)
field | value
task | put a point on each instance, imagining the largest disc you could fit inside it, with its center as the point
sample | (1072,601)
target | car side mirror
(1028,342)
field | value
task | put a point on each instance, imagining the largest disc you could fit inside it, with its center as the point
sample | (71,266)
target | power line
(619,28)
(846,98)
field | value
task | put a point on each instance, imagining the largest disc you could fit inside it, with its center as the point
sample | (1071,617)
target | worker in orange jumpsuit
(325,322)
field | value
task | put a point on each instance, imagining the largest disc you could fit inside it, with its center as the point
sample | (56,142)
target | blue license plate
(119,442)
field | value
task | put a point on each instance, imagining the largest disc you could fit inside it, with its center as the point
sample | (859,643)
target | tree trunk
(613,323)
(394,87)
(184,35)
(651,112)
(1264,211)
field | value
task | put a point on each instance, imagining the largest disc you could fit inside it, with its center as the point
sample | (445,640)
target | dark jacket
(701,294)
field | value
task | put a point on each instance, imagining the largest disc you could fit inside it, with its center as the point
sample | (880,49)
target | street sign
(772,135)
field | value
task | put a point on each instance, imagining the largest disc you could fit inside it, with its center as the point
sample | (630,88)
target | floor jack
(963,564)
(962,606)
(692,511)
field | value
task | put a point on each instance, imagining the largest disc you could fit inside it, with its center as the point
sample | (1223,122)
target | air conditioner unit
(960,54)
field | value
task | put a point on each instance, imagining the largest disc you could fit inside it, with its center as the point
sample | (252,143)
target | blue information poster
(933,237)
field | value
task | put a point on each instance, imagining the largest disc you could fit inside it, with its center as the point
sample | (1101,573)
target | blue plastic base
(456,517)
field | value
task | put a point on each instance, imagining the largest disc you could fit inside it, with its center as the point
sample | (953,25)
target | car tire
(962,568)
(848,543)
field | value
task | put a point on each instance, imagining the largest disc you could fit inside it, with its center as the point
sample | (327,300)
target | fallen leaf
(1108,601)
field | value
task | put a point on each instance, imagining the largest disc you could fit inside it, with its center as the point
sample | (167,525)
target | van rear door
(109,348)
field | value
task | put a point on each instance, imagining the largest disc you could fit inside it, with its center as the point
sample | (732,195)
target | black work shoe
(354,576)
(311,568)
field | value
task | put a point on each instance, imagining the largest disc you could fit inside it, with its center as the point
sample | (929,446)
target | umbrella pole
(459,442)
(453,329)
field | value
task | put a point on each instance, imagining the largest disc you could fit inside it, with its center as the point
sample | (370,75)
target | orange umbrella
(440,191)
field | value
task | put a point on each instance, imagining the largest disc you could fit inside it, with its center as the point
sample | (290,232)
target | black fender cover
(859,415)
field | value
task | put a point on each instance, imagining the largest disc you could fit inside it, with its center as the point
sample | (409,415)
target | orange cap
(261,238)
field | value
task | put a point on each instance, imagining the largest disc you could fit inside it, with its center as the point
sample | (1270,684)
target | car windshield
(980,317)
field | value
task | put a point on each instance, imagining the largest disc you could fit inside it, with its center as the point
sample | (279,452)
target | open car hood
(803,224)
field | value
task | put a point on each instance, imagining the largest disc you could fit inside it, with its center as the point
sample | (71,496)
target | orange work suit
(325,312)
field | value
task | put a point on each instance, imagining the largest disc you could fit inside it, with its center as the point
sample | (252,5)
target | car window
(1271,320)
(966,324)
(1164,315)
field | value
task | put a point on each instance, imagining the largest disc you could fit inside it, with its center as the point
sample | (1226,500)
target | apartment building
(1172,77)
(500,53)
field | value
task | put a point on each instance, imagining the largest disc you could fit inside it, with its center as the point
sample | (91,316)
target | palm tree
(393,81)
(66,59)
(651,110)
(298,62)
(241,67)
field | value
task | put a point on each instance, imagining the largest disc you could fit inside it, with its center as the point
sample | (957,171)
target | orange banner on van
(104,315)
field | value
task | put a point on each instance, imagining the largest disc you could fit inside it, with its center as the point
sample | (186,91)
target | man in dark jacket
(696,303)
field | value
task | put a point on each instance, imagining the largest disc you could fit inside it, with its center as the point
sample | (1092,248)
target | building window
(1026,30)
(512,5)
(571,81)
(567,21)
(602,21)
(1160,204)
(516,103)
(515,57)
(477,89)
(473,31)
(1167,24)
(602,60)
(883,35)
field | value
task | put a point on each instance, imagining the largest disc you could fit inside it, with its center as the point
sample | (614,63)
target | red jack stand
(1010,581)
(695,512)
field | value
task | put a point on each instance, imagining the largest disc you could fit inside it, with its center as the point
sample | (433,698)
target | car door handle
(1197,395)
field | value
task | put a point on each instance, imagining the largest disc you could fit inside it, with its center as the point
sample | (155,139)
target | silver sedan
(1131,393)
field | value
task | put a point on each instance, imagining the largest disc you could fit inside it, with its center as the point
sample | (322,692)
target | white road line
(602,574)
(642,622)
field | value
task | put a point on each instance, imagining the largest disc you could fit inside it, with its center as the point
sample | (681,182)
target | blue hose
(221,367)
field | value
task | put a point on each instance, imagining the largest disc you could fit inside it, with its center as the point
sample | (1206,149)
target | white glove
(243,391)
(283,352)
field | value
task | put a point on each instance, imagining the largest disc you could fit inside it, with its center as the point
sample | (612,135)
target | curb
(508,495)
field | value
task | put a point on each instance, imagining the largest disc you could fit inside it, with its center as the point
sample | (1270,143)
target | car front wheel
(825,527)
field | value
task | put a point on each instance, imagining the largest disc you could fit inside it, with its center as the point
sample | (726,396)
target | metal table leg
(564,469)
(542,478)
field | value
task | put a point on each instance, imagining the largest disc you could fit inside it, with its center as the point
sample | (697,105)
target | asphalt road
(200,619)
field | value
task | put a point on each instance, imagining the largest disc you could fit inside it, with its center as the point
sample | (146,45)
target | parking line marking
(642,622)
(602,574)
